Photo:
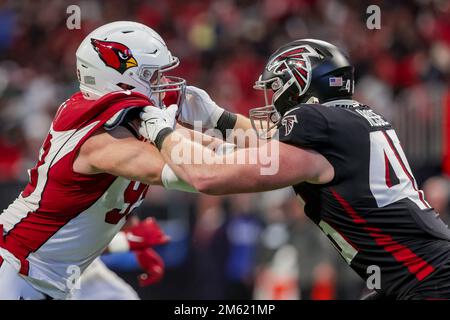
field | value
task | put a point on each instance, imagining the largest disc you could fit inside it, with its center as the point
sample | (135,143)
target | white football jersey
(63,220)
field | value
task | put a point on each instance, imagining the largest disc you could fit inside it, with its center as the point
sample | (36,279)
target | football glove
(152,264)
(139,237)
(198,106)
(155,120)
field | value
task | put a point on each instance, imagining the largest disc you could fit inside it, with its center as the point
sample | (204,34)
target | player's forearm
(182,154)
(241,170)
(243,123)
(239,132)
(152,170)
(207,171)
(208,141)
(236,172)
(244,127)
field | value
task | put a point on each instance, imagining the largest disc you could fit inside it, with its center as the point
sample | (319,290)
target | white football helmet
(126,55)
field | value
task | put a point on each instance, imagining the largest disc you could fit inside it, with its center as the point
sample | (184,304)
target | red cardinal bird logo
(114,55)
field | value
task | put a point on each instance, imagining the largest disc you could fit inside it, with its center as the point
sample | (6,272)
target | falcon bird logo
(114,54)
(298,58)
(288,123)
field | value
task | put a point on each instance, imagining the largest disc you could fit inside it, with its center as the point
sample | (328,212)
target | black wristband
(226,121)
(161,136)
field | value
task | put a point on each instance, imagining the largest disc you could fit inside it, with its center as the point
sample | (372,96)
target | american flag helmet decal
(335,81)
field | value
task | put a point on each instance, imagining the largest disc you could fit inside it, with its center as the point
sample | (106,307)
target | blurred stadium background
(243,246)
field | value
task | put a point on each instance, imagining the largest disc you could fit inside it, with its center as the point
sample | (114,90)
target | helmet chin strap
(154,98)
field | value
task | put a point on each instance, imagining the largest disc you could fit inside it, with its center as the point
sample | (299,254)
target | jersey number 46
(391,178)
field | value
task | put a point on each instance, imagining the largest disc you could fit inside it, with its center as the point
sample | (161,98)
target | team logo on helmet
(114,54)
(297,60)
(288,123)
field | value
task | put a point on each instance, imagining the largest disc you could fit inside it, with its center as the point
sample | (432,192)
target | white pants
(96,283)
(14,287)
(100,283)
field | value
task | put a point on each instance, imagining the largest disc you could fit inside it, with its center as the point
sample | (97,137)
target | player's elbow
(152,176)
(147,169)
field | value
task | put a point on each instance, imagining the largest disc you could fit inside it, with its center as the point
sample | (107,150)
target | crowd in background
(243,246)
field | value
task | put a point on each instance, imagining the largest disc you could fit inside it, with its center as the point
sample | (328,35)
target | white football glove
(154,120)
(198,106)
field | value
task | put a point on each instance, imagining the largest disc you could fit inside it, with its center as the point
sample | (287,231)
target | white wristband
(171,181)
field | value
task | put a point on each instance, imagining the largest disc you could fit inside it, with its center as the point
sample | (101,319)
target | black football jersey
(372,211)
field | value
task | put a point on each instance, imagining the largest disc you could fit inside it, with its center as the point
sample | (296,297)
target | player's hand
(198,106)
(145,234)
(152,264)
(154,120)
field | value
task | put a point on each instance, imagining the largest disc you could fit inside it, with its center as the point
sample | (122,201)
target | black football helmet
(302,71)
